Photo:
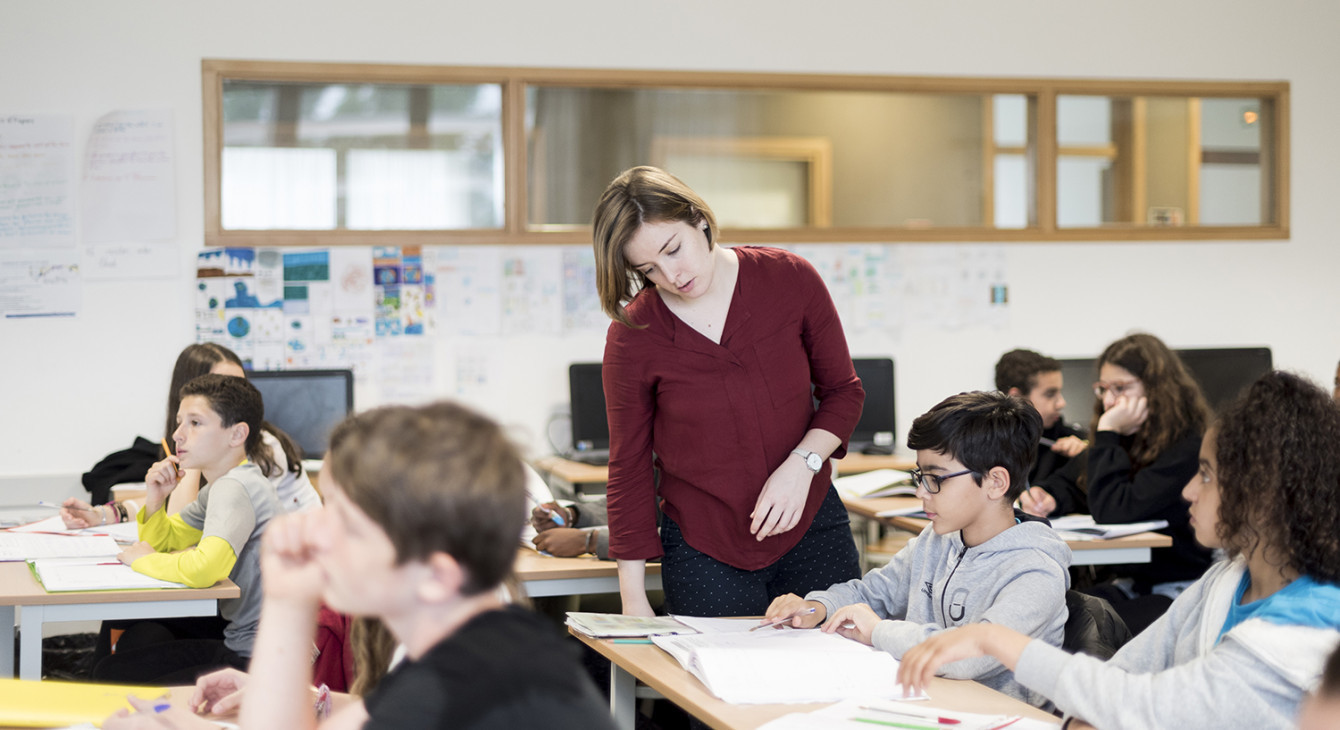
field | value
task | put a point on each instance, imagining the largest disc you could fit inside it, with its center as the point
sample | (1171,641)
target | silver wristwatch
(812,460)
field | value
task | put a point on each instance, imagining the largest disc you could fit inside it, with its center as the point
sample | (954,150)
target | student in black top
(419,529)
(1038,378)
(1147,426)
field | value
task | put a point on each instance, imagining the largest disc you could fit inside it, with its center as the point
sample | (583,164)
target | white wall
(73,390)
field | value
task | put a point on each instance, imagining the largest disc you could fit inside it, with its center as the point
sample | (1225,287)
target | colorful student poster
(468,290)
(37,208)
(532,290)
(581,304)
(387,277)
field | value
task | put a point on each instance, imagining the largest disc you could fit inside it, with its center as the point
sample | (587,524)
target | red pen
(928,718)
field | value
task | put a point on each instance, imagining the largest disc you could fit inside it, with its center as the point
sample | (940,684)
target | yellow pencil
(166,451)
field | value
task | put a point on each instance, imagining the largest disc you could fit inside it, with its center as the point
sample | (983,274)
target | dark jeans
(698,585)
(164,651)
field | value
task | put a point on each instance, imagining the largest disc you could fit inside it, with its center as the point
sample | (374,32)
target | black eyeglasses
(932,482)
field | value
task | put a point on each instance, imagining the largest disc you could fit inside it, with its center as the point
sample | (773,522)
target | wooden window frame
(1041,151)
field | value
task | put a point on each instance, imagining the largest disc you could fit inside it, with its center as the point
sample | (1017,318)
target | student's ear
(996,482)
(1014,392)
(239,433)
(443,580)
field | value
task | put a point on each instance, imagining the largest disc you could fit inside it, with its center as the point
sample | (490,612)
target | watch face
(814,462)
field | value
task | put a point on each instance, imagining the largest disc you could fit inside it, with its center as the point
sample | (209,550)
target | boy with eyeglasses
(979,560)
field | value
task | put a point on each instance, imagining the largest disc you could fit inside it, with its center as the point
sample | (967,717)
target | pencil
(166,451)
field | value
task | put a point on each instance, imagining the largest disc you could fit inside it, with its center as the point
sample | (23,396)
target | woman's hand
(856,622)
(782,500)
(1126,416)
(135,552)
(220,692)
(795,607)
(78,514)
(1037,502)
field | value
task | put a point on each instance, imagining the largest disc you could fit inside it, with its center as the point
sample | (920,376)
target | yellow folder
(25,703)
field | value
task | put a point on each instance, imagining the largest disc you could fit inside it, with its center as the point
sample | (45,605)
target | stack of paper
(877,483)
(61,575)
(1083,527)
(607,625)
(784,665)
(16,546)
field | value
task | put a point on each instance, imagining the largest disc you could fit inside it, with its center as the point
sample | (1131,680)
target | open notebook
(876,483)
(62,575)
(780,665)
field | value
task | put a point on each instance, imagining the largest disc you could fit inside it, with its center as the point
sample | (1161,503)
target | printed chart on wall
(39,264)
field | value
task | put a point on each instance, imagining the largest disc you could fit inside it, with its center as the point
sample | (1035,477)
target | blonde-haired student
(1244,644)
(979,561)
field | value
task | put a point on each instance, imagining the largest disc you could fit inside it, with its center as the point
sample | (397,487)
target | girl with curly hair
(1147,425)
(1244,644)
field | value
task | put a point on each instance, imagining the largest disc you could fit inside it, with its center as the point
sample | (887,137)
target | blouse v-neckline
(731,321)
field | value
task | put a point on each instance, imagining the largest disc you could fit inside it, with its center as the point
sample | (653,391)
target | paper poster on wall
(405,370)
(581,304)
(37,169)
(106,261)
(532,290)
(36,284)
(469,290)
(387,278)
(128,193)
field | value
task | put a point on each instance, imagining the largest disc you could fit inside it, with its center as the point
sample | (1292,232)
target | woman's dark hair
(1176,405)
(982,430)
(1278,448)
(199,359)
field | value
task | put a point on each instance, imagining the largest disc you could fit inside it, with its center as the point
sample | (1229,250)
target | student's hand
(159,482)
(782,500)
(78,514)
(219,693)
(920,663)
(289,571)
(135,552)
(1037,502)
(565,542)
(856,622)
(541,517)
(1126,416)
(795,607)
(174,718)
(1070,446)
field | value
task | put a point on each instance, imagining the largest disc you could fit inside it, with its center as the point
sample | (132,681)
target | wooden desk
(1121,550)
(630,663)
(575,472)
(24,603)
(543,575)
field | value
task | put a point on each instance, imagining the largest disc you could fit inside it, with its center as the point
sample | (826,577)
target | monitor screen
(590,430)
(877,426)
(306,404)
(1222,373)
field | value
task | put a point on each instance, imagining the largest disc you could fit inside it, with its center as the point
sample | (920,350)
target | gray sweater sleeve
(1227,687)
(1027,605)
(884,590)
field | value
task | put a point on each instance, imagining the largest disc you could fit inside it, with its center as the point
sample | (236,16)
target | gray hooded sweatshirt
(1016,579)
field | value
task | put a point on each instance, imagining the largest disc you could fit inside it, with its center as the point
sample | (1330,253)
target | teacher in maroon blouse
(707,371)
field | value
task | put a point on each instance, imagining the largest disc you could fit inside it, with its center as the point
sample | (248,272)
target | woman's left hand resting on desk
(175,718)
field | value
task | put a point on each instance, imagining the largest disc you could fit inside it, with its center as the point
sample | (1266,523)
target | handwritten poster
(39,284)
(36,188)
(127,192)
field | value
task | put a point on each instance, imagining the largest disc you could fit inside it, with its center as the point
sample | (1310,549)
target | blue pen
(556,515)
(161,707)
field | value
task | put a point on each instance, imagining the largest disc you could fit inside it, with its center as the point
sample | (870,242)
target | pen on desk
(632,641)
(890,723)
(913,715)
(784,619)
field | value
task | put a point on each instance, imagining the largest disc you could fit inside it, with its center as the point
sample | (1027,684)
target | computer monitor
(1222,373)
(590,429)
(877,429)
(306,404)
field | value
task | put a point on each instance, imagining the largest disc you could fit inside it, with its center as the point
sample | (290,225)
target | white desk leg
(7,641)
(623,703)
(30,643)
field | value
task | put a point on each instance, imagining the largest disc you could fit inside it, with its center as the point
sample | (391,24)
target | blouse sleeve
(836,386)
(630,403)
